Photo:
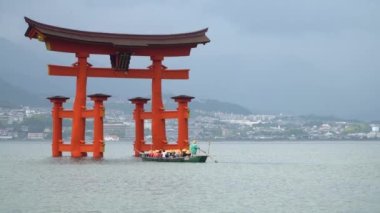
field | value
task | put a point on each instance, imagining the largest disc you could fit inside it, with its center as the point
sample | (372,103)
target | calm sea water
(248,177)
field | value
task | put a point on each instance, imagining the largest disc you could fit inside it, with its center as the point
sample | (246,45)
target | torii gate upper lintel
(120,48)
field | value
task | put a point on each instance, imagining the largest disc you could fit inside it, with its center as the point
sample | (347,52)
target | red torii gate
(120,47)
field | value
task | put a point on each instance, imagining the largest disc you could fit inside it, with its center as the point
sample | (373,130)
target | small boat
(192,159)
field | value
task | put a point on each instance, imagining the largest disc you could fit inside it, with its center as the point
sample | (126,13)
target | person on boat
(164,154)
(157,154)
(178,153)
(194,148)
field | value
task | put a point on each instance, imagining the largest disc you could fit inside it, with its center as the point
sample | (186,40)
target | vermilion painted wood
(83,43)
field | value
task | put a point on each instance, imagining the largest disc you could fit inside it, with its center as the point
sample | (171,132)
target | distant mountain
(219,106)
(12,96)
(202,104)
(26,68)
(209,105)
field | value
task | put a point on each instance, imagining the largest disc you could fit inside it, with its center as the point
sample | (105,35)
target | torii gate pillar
(79,122)
(158,122)
(183,120)
(57,124)
(139,124)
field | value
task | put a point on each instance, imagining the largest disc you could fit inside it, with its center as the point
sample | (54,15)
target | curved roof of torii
(36,30)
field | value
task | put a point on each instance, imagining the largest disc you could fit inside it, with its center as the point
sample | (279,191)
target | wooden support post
(139,123)
(57,124)
(158,123)
(98,143)
(183,116)
(79,122)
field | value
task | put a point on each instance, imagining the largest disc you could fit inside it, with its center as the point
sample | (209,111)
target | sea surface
(240,177)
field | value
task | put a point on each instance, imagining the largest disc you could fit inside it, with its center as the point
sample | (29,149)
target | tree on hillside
(37,123)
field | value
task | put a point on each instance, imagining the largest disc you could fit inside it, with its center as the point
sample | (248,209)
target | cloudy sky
(293,56)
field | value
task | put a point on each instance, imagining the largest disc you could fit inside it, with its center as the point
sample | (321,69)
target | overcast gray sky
(293,56)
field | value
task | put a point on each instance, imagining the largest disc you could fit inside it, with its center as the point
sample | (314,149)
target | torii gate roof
(70,40)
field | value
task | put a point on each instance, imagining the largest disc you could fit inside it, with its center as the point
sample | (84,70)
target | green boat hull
(197,159)
(193,159)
